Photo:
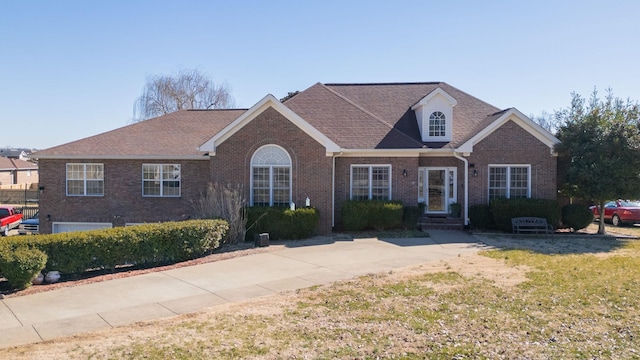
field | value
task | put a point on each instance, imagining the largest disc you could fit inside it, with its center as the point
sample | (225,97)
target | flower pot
(39,279)
(52,277)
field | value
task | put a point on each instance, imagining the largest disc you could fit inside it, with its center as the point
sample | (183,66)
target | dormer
(435,116)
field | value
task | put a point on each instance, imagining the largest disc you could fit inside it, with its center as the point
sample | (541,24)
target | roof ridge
(226,109)
(384,83)
(391,127)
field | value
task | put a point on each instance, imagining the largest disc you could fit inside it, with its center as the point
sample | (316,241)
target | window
(510,181)
(161,180)
(437,124)
(85,179)
(270,177)
(371,182)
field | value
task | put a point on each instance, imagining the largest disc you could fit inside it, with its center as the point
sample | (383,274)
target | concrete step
(440,223)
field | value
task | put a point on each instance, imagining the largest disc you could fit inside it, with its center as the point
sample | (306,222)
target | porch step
(440,223)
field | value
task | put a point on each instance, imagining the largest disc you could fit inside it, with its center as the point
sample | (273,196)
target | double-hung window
(85,179)
(162,180)
(509,181)
(370,182)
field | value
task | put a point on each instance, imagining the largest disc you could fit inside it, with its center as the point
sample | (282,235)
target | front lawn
(582,301)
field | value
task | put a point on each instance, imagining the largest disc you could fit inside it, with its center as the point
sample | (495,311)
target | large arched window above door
(270,177)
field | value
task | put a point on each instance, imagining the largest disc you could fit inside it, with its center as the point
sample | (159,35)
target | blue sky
(72,69)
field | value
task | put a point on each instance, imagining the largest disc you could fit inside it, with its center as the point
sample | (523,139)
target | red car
(620,212)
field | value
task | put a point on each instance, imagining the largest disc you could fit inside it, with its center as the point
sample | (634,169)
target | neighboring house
(20,154)
(17,172)
(413,142)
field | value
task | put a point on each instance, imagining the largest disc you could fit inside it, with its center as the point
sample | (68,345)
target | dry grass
(567,297)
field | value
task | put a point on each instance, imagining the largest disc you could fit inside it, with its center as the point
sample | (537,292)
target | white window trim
(99,225)
(508,166)
(161,181)
(66,183)
(370,166)
(271,167)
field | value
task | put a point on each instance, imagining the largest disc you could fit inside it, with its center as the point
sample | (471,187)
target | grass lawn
(566,304)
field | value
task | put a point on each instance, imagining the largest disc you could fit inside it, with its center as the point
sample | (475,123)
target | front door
(437,188)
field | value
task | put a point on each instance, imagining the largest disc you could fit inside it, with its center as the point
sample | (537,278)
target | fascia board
(519,118)
(395,152)
(123,157)
(257,109)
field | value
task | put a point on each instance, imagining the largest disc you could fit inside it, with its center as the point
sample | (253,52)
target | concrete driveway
(100,305)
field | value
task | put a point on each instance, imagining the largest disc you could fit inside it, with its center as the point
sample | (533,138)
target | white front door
(437,188)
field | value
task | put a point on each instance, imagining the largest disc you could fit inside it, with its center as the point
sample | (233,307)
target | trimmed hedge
(21,265)
(282,223)
(380,215)
(144,245)
(480,217)
(576,216)
(504,209)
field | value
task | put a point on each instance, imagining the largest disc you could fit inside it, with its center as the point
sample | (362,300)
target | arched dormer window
(437,124)
(434,114)
(270,177)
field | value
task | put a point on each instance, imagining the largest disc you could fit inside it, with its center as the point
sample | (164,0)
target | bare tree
(224,202)
(190,89)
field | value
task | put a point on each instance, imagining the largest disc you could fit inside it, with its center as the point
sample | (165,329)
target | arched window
(270,177)
(437,124)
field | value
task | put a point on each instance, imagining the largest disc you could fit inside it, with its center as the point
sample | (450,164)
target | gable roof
(350,118)
(176,135)
(257,109)
(494,121)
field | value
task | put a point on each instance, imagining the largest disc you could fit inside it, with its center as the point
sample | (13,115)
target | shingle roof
(354,116)
(178,134)
(379,116)
(16,164)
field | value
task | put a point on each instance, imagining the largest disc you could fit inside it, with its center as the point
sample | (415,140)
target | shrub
(224,202)
(385,214)
(410,216)
(144,245)
(576,216)
(380,215)
(504,209)
(355,215)
(480,216)
(282,223)
(21,264)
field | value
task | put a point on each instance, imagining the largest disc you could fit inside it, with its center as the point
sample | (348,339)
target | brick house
(413,142)
(16,173)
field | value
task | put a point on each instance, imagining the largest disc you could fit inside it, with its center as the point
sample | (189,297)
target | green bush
(576,216)
(355,215)
(21,264)
(144,245)
(385,214)
(480,217)
(380,215)
(410,217)
(282,223)
(504,209)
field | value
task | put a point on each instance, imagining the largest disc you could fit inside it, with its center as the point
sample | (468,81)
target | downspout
(333,190)
(466,187)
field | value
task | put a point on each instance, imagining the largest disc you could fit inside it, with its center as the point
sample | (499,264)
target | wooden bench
(521,225)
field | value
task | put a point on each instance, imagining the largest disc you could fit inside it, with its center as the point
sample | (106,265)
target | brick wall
(310,169)
(122,201)
(511,144)
(404,189)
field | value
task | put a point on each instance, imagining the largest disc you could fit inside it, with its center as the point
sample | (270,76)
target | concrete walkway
(100,305)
